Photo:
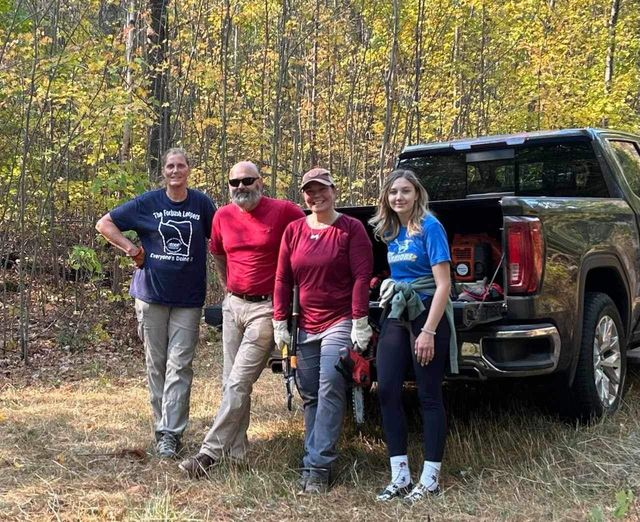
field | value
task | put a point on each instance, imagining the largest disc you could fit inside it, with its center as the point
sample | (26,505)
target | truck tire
(602,364)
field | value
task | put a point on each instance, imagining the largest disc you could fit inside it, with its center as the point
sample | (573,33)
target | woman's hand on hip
(424,348)
(138,257)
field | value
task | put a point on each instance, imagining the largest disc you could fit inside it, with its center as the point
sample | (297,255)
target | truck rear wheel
(602,365)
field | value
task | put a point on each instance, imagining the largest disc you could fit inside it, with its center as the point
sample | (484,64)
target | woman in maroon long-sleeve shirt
(328,255)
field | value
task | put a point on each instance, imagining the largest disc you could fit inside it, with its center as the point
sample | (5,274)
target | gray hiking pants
(247,339)
(170,336)
(324,394)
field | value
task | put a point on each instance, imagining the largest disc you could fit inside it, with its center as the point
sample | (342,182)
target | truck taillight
(525,251)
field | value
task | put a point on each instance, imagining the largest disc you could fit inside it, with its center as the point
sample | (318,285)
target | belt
(252,298)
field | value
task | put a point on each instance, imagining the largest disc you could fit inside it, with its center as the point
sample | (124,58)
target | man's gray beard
(246,199)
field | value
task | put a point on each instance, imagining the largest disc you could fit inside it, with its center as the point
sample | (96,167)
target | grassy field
(80,449)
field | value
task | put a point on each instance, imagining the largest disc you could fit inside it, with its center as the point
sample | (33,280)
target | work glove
(361,333)
(387,290)
(281,333)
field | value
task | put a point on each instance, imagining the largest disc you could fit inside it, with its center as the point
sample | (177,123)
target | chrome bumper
(510,351)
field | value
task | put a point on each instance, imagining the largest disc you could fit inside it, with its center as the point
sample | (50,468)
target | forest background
(93,91)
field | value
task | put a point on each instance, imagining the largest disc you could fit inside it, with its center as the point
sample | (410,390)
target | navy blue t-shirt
(174,238)
(411,257)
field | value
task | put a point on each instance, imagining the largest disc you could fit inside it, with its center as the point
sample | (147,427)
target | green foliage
(85,258)
(117,297)
(77,336)
(624,501)
(463,67)
(115,183)
(596,515)
(287,89)
(14,14)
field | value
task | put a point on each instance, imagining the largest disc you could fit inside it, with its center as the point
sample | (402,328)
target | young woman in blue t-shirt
(419,258)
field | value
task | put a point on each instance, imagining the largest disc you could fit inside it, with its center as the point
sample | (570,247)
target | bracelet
(427,331)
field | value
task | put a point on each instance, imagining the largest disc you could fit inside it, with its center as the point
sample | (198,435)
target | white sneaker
(393,490)
(420,492)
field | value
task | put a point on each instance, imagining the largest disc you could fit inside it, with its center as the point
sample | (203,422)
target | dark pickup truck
(551,220)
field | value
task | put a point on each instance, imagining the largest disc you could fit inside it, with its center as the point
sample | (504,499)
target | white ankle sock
(430,474)
(400,474)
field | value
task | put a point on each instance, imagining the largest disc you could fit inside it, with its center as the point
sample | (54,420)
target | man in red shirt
(245,239)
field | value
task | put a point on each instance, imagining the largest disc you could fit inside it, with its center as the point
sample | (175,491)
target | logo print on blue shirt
(403,246)
(401,252)
(176,237)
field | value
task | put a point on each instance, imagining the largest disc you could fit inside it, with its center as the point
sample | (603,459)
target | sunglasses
(245,181)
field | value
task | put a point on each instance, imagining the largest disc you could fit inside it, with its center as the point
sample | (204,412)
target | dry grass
(61,459)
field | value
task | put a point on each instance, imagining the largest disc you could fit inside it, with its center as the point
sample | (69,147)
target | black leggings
(394,358)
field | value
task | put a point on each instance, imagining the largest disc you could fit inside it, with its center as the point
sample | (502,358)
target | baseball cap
(319,175)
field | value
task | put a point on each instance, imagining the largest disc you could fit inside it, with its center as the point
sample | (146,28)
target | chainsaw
(356,368)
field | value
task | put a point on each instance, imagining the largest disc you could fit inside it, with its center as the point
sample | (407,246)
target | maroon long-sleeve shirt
(332,267)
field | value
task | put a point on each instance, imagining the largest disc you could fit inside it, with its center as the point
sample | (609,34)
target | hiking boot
(301,483)
(316,486)
(393,490)
(420,492)
(198,466)
(167,446)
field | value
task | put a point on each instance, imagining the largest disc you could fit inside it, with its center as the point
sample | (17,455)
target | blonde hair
(175,151)
(386,224)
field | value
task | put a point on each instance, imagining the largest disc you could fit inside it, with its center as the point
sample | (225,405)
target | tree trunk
(224,66)
(159,132)
(413,115)
(456,97)
(611,51)
(297,134)
(313,154)
(283,49)
(263,82)
(129,35)
(389,91)
(23,283)
(481,123)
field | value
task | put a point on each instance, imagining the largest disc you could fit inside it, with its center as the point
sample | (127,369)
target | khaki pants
(247,338)
(170,336)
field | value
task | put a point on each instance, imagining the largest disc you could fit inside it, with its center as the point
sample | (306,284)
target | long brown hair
(386,223)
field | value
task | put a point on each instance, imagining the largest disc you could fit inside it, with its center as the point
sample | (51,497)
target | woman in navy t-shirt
(169,284)
(415,334)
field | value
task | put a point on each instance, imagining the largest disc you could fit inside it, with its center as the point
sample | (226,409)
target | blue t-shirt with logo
(174,238)
(411,257)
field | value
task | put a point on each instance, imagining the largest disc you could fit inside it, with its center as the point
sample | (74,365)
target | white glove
(280,333)
(387,289)
(361,333)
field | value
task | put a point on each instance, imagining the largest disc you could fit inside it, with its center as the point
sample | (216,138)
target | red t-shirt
(250,241)
(332,266)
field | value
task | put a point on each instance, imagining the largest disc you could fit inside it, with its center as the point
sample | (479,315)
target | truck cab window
(490,176)
(627,154)
(567,169)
